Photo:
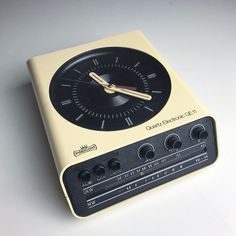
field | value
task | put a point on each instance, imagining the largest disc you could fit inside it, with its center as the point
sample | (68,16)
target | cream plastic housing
(65,137)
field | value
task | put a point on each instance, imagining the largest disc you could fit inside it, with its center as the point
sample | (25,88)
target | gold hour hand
(98,79)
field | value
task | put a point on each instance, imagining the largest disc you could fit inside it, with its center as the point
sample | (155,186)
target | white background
(198,38)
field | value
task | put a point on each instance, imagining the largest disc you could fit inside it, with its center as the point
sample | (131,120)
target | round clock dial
(110,88)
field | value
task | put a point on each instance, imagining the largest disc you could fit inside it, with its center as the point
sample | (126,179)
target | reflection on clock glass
(111,88)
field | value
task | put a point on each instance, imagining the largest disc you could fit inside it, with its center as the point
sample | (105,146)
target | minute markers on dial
(65,85)
(76,70)
(151,76)
(102,125)
(137,64)
(66,102)
(148,108)
(79,117)
(156,91)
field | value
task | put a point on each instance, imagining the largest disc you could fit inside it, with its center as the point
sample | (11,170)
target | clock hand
(98,79)
(109,88)
(96,84)
(126,87)
(129,92)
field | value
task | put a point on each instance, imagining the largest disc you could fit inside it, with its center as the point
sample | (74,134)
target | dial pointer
(136,94)
(109,88)
(98,79)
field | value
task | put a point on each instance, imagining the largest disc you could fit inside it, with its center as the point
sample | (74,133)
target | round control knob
(84,175)
(146,152)
(173,142)
(199,132)
(114,164)
(99,170)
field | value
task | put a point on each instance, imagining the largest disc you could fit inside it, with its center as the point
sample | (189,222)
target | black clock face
(84,102)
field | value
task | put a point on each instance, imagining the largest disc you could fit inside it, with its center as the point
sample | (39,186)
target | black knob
(84,175)
(173,142)
(146,152)
(99,169)
(114,164)
(199,132)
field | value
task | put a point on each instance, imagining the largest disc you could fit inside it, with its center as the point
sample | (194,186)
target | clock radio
(119,120)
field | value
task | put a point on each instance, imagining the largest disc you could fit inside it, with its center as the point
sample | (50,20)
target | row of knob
(172,142)
(146,152)
(99,169)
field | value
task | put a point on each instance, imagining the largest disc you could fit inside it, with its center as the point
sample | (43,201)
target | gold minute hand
(129,92)
(113,88)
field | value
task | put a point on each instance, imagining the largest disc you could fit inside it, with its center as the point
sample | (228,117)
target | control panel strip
(148,163)
(127,187)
